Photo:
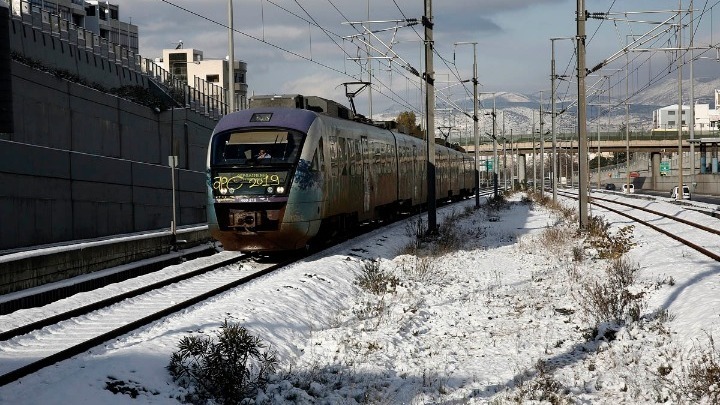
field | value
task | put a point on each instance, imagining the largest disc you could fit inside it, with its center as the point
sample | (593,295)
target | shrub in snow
(228,370)
(612,299)
(375,280)
(607,244)
(700,378)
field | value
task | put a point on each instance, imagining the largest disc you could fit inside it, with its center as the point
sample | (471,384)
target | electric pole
(475,121)
(231,60)
(582,117)
(542,149)
(430,116)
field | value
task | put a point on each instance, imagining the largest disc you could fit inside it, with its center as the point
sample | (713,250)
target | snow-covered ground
(498,319)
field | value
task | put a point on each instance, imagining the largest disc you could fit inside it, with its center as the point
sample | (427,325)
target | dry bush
(448,239)
(568,214)
(375,280)
(578,254)
(415,229)
(420,268)
(444,239)
(543,388)
(610,300)
(609,245)
(555,238)
(495,204)
(699,379)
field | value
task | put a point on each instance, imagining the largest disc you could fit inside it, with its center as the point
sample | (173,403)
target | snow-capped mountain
(520,113)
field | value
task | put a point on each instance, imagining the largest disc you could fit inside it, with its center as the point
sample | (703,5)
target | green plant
(228,370)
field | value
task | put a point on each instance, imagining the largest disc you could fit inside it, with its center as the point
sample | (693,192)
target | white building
(189,66)
(666,118)
(98,17)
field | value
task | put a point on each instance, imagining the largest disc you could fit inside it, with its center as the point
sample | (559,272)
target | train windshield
(256,147)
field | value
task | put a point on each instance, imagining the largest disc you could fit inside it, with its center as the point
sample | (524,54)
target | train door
(367,186)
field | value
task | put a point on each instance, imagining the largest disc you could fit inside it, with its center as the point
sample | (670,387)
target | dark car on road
(610,186)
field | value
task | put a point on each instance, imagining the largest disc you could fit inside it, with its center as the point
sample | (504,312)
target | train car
(280,178)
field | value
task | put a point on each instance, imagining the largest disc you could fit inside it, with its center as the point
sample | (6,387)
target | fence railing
(205,98)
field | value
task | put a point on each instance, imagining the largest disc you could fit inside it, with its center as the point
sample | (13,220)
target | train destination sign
(232,182)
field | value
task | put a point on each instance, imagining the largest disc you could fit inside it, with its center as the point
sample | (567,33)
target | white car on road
(685,191)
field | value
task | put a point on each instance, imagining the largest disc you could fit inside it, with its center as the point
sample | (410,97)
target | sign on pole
(665,168)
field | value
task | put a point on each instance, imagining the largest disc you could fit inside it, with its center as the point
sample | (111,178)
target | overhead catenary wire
(671,66)
(397,99)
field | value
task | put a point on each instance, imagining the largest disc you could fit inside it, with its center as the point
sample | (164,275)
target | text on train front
(253,166)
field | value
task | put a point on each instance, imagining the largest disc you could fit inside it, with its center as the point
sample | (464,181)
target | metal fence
(204,98)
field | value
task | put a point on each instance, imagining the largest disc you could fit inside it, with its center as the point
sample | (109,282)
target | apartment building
(190,66)
(667,119)
(100,17)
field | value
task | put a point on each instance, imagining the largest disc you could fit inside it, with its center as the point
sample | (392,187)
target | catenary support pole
(582,118)
(231,60)
(430,116)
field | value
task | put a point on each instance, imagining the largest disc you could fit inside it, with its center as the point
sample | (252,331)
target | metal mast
(231,59)
(582,117)
(679,110)
(430,116)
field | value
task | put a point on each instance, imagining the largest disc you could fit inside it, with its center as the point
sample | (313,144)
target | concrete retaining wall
(84,164)
(72,53)
(29,269)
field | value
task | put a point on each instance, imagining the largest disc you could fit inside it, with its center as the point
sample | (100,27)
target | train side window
(342,152)
(333,156)
(358,158)
(318,161)
(351,156)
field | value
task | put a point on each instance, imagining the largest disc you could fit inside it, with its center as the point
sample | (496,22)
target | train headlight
(270,190)
(280,190)
(223,191)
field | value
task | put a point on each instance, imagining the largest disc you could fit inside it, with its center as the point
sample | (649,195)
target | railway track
(30,340)
(35,345)
(699,237)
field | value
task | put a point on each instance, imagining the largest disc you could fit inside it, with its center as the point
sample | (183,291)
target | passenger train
(322,173)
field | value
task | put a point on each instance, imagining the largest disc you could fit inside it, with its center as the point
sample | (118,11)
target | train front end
(264,191)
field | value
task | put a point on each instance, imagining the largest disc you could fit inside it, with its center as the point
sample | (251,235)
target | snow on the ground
(498,319)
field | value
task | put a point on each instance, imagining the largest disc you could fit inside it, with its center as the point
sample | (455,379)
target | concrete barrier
(33,268)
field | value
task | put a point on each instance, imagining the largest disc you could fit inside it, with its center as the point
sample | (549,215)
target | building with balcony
(98,17)
(189,66)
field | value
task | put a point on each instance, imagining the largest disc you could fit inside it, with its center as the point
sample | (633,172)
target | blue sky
(513,36)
